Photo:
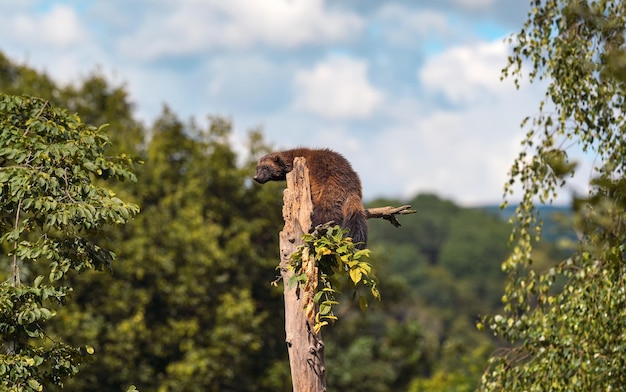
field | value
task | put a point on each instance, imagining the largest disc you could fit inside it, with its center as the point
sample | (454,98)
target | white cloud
(466,74)
(337,88)
(474,3)
(197,25)
(462,153)
(60,27)
(57,40)
(403,26)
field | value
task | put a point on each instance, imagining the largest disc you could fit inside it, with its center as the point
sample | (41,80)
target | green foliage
(423,332)
(566,322)
(188,304)
(335,257)
(380,350)
(464,354)
(52,205)
(448,256)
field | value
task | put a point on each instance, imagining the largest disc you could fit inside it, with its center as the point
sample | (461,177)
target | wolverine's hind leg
(355,221)
(323,215)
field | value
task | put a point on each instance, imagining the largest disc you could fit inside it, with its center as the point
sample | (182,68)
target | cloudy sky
(408,90)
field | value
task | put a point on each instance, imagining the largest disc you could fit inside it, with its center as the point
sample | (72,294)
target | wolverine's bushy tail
(354,220)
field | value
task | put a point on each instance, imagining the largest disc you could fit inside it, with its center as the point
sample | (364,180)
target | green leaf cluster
(52,203)
(336,257)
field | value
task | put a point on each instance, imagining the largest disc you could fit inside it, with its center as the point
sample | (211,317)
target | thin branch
(389,213)
(16,266)
(36,118)
(67,186)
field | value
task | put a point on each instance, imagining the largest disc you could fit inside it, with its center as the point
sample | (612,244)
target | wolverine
(335,187)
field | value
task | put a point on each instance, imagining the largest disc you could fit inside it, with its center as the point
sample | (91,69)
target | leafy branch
(325,258)
(52,205)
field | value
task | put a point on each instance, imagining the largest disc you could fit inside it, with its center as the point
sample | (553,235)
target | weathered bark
(389,213)
(305,347)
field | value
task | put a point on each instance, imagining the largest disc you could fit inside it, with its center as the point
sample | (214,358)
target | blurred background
(408,91)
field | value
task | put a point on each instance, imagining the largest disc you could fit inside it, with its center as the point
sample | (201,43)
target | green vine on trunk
(331,257)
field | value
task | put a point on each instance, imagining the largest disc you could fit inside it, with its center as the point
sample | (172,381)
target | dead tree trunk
(305,347)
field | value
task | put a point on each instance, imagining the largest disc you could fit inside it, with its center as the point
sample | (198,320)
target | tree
(189,306)
(566,323)
(52,203)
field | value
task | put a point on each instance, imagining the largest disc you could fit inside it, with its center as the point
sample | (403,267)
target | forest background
(188,303)
(187,306)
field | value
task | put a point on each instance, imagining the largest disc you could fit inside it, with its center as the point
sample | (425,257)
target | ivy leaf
(356,274)
(324,309)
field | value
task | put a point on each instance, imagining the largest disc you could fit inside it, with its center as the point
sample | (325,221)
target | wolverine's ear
(280,162)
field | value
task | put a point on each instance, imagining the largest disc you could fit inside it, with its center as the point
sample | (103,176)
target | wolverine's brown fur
(335,187)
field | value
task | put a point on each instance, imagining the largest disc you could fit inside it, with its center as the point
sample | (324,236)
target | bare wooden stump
(305,347)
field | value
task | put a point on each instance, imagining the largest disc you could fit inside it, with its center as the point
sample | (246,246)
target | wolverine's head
(272,167)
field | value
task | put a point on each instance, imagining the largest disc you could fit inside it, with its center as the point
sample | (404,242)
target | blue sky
(408,91)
